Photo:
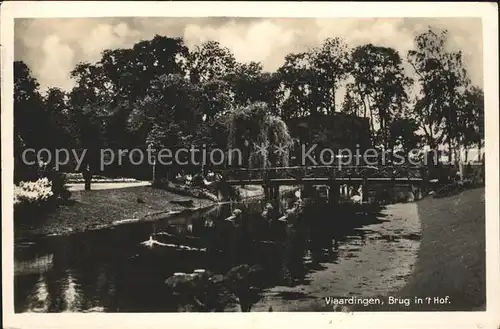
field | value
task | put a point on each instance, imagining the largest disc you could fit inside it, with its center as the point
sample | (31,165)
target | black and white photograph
(228,163)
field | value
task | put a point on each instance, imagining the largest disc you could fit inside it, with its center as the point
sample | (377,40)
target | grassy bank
(452,256)
(103,208)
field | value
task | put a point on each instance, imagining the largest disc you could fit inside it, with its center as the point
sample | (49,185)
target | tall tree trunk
(370,109)
(383,128)
(450,153)
(363,100)
(479,150)
(365,109)
(333,96)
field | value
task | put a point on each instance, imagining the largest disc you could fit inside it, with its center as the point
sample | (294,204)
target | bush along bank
(199,188)
(41,195)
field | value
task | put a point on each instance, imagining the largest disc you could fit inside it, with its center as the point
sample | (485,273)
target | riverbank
(112,204)
(96,209)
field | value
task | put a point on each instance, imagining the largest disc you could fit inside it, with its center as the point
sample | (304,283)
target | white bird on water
(151,242)
(356,199)
(298,194)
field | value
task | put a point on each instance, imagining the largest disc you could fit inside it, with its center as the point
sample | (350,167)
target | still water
(110,270)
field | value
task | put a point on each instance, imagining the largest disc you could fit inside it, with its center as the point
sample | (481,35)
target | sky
(51,47)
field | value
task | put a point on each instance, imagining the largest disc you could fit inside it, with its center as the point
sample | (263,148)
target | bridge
(317,175)
(334,176)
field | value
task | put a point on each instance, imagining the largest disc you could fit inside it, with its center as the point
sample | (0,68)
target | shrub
(34,196)
(206,292)
(59,189)
(57,179)
(448,190)
(33,192)
(185,190)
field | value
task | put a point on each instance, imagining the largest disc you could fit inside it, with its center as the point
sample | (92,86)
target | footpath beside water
(433,249)
(375,261)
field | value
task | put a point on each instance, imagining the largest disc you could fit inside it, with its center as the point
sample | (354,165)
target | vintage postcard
(293,164)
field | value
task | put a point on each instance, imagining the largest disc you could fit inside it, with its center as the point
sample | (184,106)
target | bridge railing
(301,172)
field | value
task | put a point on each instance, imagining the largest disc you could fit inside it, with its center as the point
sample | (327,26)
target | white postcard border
(487,11)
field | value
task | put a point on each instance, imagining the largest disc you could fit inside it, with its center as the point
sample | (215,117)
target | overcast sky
(52,47)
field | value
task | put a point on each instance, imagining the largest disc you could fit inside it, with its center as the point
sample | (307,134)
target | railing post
(334,189)
(364,190)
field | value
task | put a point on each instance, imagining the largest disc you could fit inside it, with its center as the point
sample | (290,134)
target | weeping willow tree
(253,127)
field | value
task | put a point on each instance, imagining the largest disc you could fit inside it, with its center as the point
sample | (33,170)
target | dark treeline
(161,93)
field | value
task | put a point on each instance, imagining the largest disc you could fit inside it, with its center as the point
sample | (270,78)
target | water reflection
(39,300)
(111,271)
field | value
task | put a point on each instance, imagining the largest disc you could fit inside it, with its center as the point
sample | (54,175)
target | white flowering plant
(33,192)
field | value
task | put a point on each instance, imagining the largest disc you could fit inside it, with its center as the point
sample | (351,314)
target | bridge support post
(266,191)
(364,190)
(345,190)
(333,193)
(271,192)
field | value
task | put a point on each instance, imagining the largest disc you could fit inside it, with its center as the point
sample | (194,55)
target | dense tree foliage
(445,104)
(159,93)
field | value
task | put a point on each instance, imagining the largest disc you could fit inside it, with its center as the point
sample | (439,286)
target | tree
(61,121)
(269,90)
(353,101)
(210,61)
(171,111)
(330,64)
(88,102)
(442,80)
(471,122)
(252,127)
(381,85)
(217,98)
(402,132)
(297,77)
(30,119)
(128,74)
(250,85)
(311,79)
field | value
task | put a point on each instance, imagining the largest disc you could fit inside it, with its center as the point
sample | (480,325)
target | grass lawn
(452,256)
(100,208)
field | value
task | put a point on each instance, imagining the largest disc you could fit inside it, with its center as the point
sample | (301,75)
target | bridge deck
(322,180)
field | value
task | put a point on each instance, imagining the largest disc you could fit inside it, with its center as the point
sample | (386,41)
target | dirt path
(375,263)
(73,187)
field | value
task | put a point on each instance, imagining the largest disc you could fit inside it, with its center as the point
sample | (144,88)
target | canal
(123,269)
